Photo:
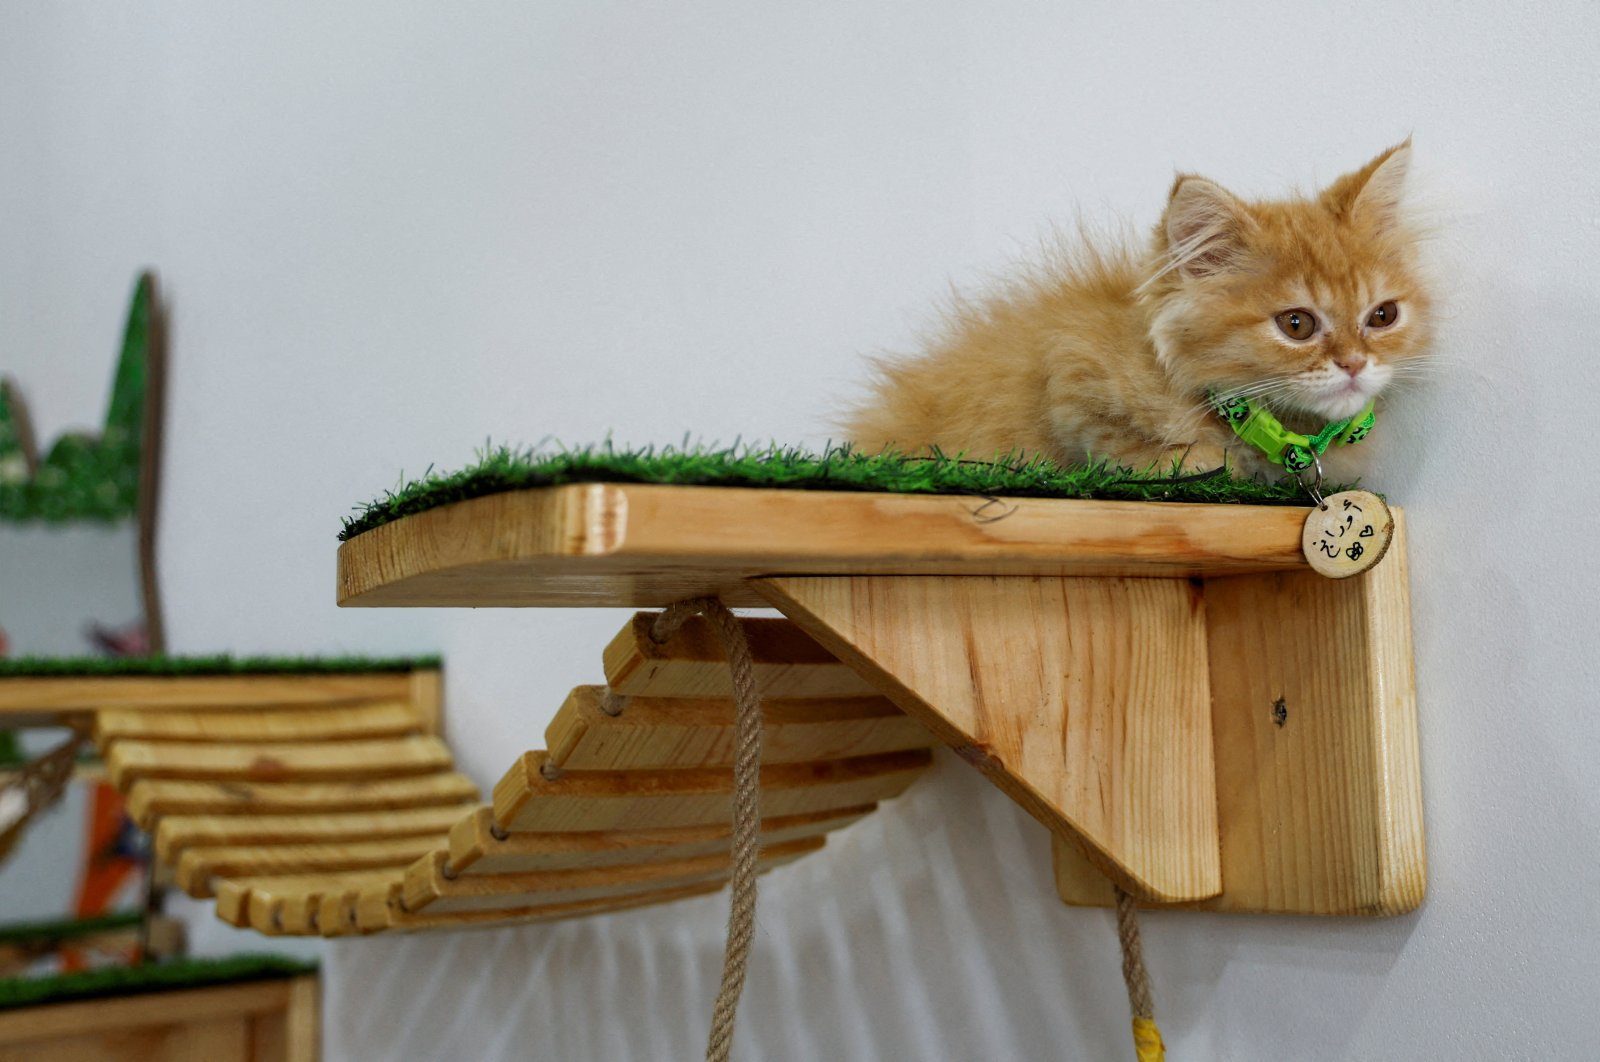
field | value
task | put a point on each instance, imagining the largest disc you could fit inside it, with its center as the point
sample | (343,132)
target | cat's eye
(1297,324)
(1384,315)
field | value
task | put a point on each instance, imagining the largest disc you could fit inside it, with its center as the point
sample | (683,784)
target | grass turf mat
(838,468)
(67,928)
(148,977)
(103,667)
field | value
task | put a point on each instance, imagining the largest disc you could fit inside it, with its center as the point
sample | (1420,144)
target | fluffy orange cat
(1308,306)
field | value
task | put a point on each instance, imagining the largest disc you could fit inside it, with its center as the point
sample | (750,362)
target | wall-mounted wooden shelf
(1193,713)
(648,546)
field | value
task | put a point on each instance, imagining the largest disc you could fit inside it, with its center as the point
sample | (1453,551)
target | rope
(746,845)
(1148,1046)
(1147,1043)
(41,782)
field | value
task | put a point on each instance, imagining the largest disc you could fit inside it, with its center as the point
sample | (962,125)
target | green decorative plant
(83,476)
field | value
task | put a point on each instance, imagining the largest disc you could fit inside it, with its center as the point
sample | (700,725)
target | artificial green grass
(147,977)
(104,667)
(837,468)
(67,928)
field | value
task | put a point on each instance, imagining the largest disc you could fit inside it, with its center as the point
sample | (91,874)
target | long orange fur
(1108,353)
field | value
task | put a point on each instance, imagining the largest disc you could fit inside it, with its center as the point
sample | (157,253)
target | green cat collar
(1295,452)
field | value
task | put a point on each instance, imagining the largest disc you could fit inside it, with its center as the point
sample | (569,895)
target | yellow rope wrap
(1147,1045)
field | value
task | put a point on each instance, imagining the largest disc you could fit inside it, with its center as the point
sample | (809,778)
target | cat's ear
(1206,227)
(1373,193)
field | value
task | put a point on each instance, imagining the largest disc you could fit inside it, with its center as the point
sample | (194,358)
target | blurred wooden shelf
(269,1020)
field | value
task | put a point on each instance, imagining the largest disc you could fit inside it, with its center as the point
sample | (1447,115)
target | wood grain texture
(381,909)
(177,833)
(346,723)
(149,800)
(650,545)
(1084,699)
(226,1023)
(427,889)
(1319,800)
(257,903)
(698,732)
(203,1040)
(198,866)
(474,849)
(337,907)
(525,800)
(427,699)
(279,761)
(692,663)
(207,692)
(303,1022)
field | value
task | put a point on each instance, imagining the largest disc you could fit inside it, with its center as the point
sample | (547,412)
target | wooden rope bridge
(328,805)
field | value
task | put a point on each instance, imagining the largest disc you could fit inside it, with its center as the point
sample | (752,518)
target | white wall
(390,231)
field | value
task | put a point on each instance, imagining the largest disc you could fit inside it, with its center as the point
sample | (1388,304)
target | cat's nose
(1351,362)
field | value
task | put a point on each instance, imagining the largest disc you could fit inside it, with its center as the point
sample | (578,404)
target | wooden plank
(122,1015)
(1320,803)
(150,800)
(339,723)
(692,664)
(268,1036)
(207,692)
(474,849)
(383,909)
(131,761)
(176,833)
(258,903)
(427,699)
(303,1042)
(427,890)
(1084,699)
(202,1040)
(649,545)
(698,732)
(199,865)
(630,800)
(336,912)
(278,911)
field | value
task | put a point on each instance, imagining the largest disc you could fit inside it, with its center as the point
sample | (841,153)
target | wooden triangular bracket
(1085,699)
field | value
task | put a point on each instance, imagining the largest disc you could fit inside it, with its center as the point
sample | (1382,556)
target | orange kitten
(1310,307)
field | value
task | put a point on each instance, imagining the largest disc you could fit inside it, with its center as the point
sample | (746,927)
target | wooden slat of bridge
(698,731)
(526,800)
(474,848)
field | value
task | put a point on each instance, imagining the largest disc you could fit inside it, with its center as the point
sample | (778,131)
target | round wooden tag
(1348,534)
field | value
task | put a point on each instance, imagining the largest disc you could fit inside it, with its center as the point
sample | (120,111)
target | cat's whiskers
(1420,372)
(1261,391)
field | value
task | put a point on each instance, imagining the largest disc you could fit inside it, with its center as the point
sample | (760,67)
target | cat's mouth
(1340,398)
